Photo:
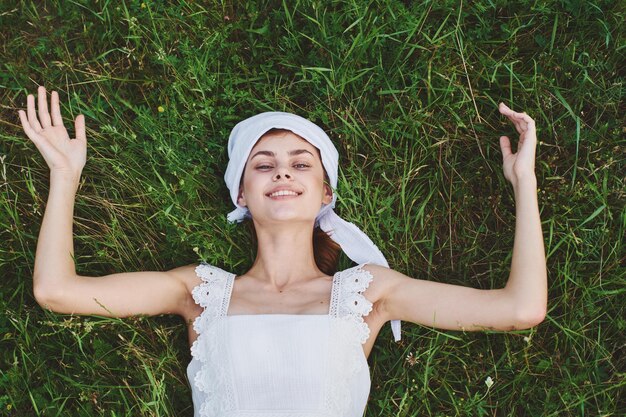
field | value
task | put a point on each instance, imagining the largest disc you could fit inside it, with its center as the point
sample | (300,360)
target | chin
(286,217)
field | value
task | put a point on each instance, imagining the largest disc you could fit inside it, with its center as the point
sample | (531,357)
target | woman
(286,337)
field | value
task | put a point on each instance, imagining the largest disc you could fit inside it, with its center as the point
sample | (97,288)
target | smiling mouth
(284,193)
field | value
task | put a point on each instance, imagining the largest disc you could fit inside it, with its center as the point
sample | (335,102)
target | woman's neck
(285,255)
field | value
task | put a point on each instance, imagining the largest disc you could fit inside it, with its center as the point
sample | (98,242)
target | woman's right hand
(62,154)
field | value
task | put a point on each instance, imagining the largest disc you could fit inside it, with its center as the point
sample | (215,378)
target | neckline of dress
(278,314)
(231,285)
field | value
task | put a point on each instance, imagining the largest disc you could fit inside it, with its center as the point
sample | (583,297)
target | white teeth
(284,192)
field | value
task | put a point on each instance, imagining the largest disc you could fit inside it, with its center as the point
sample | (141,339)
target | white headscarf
(356,244)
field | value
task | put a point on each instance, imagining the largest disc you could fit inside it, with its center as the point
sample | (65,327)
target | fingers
(521,121)
(530,122)
(79,125)
(28,129)
(57,120)
(525,126)
(41,144)
(39,120)
(504,109)
(505,146)
(518,126)
(32,115)
(44,115)
(512,116)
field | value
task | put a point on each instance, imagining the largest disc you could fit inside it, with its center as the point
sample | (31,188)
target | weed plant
(408,91)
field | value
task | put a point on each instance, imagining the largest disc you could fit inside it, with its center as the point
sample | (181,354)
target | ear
(241,199)
(328,194)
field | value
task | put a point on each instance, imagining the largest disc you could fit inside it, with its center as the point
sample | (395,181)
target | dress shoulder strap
(348,301)
(213,293)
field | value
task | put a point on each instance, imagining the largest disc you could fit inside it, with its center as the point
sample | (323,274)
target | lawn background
(408,91)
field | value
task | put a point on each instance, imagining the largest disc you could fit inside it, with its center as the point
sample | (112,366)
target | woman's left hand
(521,164)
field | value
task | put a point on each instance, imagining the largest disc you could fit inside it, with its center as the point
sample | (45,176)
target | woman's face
(283,162)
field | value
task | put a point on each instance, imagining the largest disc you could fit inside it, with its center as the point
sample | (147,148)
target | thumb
(79,126)
(505,146)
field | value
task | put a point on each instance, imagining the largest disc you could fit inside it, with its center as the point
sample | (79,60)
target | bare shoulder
(186,274)
(383,279)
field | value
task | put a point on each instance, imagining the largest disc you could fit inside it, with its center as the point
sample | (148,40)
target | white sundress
(280,365)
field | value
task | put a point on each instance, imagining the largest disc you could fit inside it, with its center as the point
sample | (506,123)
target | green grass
(408,92)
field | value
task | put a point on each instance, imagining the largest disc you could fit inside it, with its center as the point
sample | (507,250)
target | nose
(282,171)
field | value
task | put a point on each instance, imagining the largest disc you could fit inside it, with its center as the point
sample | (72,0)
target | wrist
(63,176)
(525,183)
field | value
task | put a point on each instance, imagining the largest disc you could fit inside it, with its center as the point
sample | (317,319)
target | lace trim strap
(348,301)
(212,294)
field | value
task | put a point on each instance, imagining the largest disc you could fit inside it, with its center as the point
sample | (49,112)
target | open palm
(45,129)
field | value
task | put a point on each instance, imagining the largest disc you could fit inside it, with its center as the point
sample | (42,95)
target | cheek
(250,182)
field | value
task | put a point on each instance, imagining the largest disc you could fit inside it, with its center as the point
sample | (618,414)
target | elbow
(528,318)
(47,297)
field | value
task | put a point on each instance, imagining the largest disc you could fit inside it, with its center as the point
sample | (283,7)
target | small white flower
(526,339)
(412,360)
(489,382)
(160,54)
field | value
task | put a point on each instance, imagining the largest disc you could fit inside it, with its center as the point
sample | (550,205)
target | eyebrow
(291,153)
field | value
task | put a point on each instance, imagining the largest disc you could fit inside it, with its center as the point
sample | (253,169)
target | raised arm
(55,283)
(522,302)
